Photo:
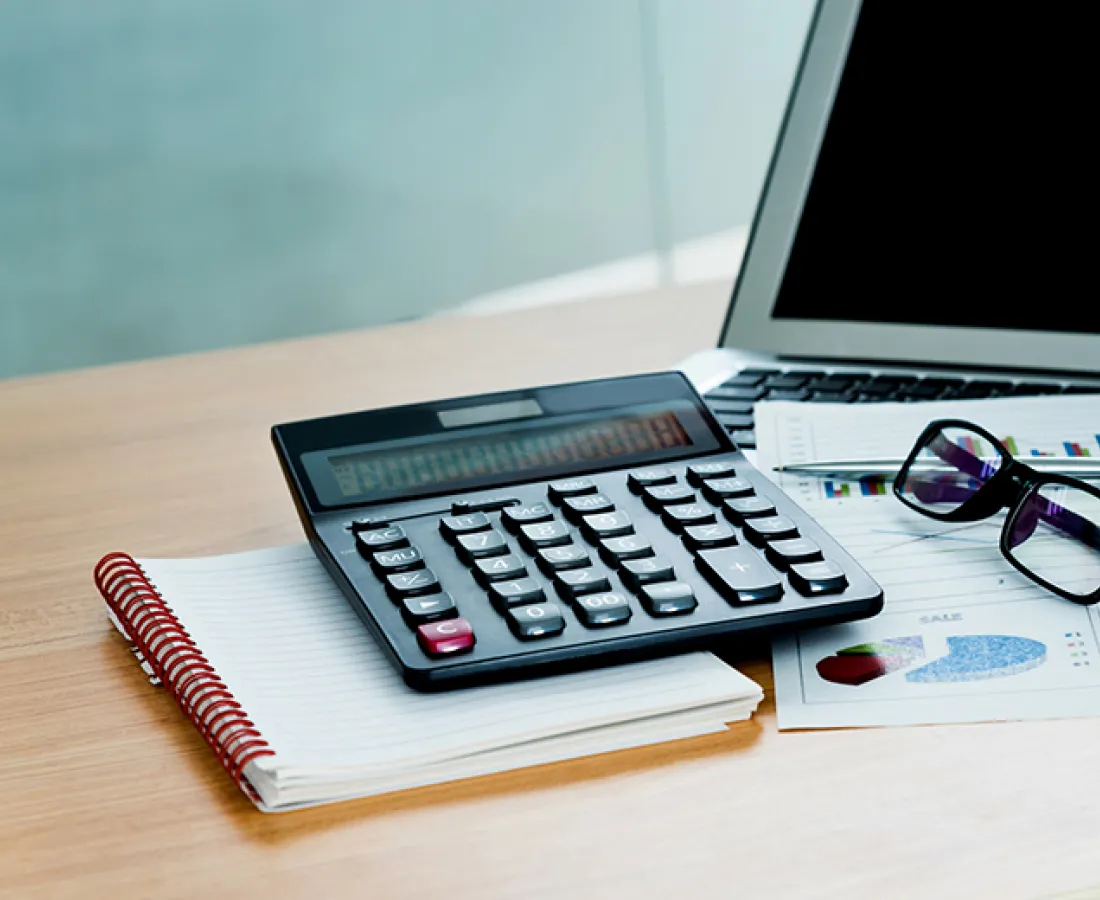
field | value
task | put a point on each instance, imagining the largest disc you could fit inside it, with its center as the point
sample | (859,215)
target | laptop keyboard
(732,401)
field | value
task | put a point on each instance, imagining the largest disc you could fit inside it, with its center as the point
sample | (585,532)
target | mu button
(445,638)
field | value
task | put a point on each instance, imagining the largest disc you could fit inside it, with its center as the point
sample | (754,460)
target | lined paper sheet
(964,635)
(287,644)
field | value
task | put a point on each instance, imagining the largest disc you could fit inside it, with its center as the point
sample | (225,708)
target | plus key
(740,575)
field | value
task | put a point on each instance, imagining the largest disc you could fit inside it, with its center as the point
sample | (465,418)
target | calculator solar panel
(510,535)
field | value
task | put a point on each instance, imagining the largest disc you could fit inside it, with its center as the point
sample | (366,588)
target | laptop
(924,231)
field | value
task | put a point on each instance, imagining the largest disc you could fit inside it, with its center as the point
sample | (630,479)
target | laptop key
(736,423)
(1034,389)
(743,438)
(787,382)
(838,383)
(744,394)
(790,394)
(754,373)
(829,397)
(730,407)
(1082,389)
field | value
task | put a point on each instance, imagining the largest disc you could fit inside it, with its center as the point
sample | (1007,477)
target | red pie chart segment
(861,663)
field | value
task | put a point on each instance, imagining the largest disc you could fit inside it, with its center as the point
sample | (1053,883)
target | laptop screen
(956,182)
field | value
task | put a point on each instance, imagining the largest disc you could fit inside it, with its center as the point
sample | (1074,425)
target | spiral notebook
(263,654)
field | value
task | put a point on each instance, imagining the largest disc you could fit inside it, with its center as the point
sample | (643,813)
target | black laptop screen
(957,180)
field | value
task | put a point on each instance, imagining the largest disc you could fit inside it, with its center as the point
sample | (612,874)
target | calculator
(516,534)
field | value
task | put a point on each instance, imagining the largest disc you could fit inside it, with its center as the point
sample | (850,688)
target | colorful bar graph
(834,491)
(872,486)
(1010,444)
(1075,449)
(970,445)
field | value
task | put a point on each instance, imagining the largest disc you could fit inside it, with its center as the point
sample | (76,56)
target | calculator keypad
(677,518)
(430,608)
(370,542)
(603,610)
(499,568)
(536,621)
(446,638)
(481,544)
(576,508)
(452,526)
(623,553)
(515,592)
(553,559)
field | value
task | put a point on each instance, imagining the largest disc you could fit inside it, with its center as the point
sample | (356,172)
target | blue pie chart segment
(974,657)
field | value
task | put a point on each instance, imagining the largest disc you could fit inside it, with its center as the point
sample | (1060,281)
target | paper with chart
(964,637)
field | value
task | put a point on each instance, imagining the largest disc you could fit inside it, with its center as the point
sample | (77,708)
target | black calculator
(522,533)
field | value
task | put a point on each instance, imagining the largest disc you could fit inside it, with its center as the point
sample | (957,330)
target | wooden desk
(106,791)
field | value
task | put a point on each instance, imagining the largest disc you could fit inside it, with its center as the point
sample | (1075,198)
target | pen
(1081,466)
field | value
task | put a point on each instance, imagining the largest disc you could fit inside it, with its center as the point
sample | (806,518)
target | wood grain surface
(108,792)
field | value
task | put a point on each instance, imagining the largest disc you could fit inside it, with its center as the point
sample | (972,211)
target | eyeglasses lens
(1056,535)
(948,469)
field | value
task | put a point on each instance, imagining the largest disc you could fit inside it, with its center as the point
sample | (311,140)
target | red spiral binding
(171,653)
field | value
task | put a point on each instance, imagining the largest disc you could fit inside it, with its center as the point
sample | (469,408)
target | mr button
(740,575)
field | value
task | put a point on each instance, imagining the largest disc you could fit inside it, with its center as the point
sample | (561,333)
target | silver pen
(1079,466)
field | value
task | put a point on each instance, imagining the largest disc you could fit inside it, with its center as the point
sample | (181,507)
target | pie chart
(970,657)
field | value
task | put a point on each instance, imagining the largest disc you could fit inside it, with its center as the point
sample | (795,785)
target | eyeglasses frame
(1010,487)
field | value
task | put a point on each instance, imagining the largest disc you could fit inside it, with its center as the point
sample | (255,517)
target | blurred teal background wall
(178,175)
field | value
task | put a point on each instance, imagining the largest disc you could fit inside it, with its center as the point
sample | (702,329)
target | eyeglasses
(959,472)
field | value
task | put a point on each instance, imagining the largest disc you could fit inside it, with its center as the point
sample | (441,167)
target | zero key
(740,575)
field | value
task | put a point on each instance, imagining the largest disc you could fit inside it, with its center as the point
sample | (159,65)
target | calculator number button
(636,572)
(670,598)
(677,518)
(770,528)
(411,584)
(720,489)
(784,554)
(433,608)
(480,545)
(740,575)
(573,583)
(569,487)
(705,537)
(538,620)
(607,525)
(544,534)
(817,578)
(499,568)
(554,559)
(452,526)
(401,560)
(699,473)
(656,498)
(514,517)
(576,508)
(632,546)
(603,610)
(516,592)
(640,479)
(445,638)
(738,510)
(370,542)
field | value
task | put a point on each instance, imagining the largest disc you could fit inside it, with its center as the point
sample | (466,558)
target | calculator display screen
(505,454)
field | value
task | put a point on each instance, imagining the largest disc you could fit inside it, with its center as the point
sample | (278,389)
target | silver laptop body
(924,221)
